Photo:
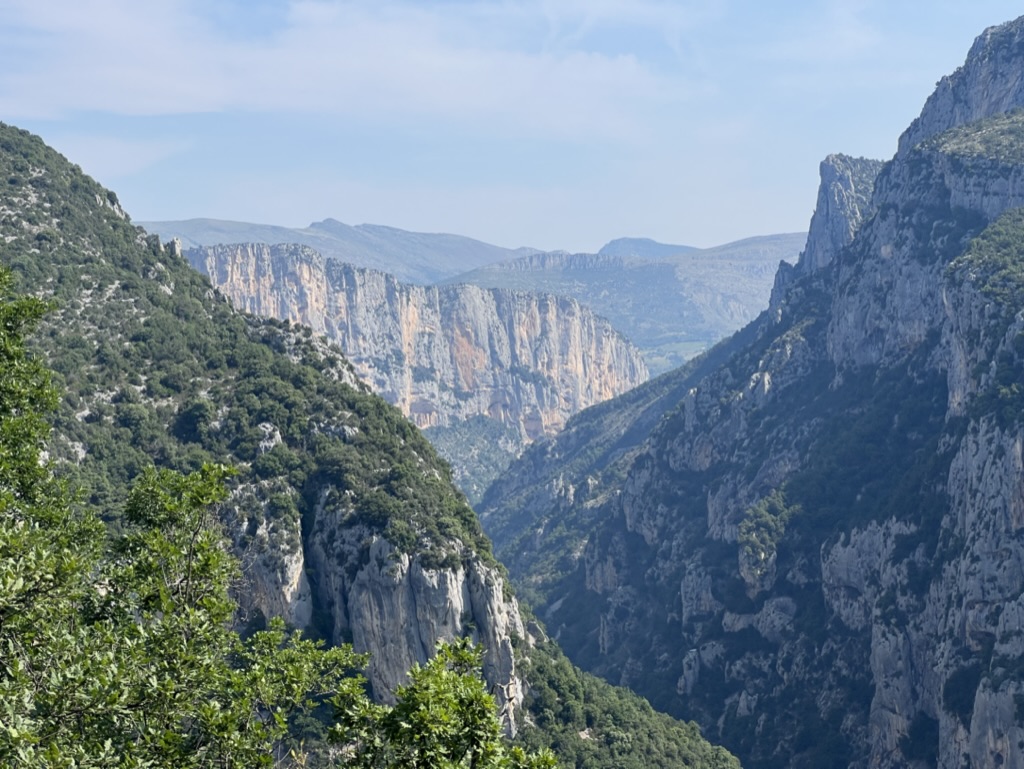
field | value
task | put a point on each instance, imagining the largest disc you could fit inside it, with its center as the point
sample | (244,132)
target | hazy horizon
(555,125)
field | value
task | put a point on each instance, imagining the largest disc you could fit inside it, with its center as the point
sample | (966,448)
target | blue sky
(549,123)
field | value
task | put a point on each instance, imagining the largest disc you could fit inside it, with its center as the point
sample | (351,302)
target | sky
(556,124)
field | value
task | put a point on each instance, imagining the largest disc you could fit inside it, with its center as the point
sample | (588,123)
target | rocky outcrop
(823,539)
(275,583)
(671,302)
(392,604)
(441,354)
(888,301)
(844,203)
(989,83)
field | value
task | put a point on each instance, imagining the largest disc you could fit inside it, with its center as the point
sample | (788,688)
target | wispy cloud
(824,34)
(474,62)
(111,157)
(500,116)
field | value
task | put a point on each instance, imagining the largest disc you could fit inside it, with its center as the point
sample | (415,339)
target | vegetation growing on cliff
(158,370)
(763,525)
(994,265)
(120,652)
(998,139)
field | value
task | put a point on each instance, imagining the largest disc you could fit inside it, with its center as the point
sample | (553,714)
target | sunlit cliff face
(441,354)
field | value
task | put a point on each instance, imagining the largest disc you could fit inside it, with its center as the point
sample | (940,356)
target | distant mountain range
(645,248)
(413,257)
(670,303)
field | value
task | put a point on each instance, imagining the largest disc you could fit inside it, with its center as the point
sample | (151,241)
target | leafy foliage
(994,262)
(763,526)
(443,719)
(124,656)
(997,139)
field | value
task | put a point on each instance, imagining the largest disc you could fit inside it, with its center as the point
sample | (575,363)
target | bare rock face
(888,302)
(844,202)
(391,604)
(275,583)
(441,354)
(872,618)
(989,83)
(396,606)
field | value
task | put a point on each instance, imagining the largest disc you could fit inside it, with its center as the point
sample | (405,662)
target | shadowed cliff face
(818,551)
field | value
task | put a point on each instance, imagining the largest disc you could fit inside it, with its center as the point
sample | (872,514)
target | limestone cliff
(989,83)
(394,605)
(844,202)
(671,307)
(441,354)
(346,518)
(818,552)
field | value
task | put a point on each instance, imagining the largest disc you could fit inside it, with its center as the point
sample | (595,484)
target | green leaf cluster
(763,525)
(995,140)
(993,261)
(120,653)
(443,719)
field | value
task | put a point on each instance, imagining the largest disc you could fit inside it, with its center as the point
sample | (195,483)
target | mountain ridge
(821,536)
(645,248)
(414,257)
(447,356)
(346,520)
(672,307)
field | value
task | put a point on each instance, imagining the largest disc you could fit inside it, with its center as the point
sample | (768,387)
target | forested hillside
(345,520)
